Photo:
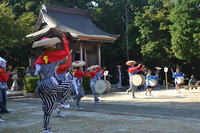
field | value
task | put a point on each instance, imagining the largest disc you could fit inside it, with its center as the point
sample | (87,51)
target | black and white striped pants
(49,97)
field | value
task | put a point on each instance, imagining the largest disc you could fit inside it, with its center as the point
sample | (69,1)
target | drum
(100,86)
(153,82)
(138,79)
(108,86)
(180,80)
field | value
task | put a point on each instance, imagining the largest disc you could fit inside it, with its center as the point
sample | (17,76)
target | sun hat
(92,67)
(128,63)
(46,42)
(158,68)
(118,66)
(2,62)
(78,64)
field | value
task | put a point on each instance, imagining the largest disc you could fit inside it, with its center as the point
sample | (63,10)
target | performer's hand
(6,89)
(9,68)
(64,38)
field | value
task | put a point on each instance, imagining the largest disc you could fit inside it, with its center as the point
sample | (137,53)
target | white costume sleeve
(37,68)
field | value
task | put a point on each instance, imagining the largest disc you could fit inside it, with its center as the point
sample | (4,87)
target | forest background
(159,32)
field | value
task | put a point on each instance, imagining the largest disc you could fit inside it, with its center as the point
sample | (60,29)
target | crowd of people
(142,77)
(60,79)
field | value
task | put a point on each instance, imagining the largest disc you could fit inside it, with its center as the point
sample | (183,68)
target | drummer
(131,71)
(77,82)
(158,74)
(149,86)
(177,75)
(94,69)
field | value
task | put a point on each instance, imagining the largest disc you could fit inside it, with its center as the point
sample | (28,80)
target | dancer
(49,85)
(178,77)
(157,72)
(149,85)
(61,73)
(69,78)
(131,71)
(4,76)
(77,82)
(93,79)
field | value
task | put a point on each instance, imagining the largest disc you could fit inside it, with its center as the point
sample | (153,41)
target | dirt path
(26,115)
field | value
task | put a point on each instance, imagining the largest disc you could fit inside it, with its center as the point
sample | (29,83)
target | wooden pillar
(85,57)
(81,51)
(99,53)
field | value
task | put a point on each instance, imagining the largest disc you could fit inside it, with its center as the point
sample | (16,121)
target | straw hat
(78,64)
(92,67)
(46,42)
(128,63)
(158,68)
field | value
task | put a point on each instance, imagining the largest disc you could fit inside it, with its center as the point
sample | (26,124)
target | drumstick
(172,70)
(69,53)
(182,73)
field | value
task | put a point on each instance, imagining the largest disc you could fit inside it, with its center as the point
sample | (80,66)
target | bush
(30,84)
(21,70)
(86,83)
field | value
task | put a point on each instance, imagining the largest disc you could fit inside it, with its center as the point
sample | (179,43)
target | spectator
(4,76)
(193,82)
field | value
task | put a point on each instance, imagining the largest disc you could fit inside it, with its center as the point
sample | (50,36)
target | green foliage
(21,70)
(185,29)
(154,40)
(7,26)
(13,30)
(161,32)
(30,84)
(86,83)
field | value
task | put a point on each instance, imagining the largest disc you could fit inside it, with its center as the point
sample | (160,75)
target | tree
(153,23)
(185,29)
(12,35)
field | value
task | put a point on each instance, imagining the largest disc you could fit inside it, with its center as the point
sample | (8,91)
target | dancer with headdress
(131,71)
(61,74)
(94,69)
(49,85)
(77,82)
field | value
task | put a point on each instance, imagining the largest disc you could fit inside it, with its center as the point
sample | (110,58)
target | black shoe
(1,112)
(7,111)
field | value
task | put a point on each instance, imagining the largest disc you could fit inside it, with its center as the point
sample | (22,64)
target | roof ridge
(64,9)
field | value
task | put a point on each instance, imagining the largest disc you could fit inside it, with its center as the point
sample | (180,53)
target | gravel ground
(26,115)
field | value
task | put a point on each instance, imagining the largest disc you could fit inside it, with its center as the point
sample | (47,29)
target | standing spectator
(4,76)
(119,77)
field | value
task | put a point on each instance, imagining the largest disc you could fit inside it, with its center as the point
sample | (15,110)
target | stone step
(15,93)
